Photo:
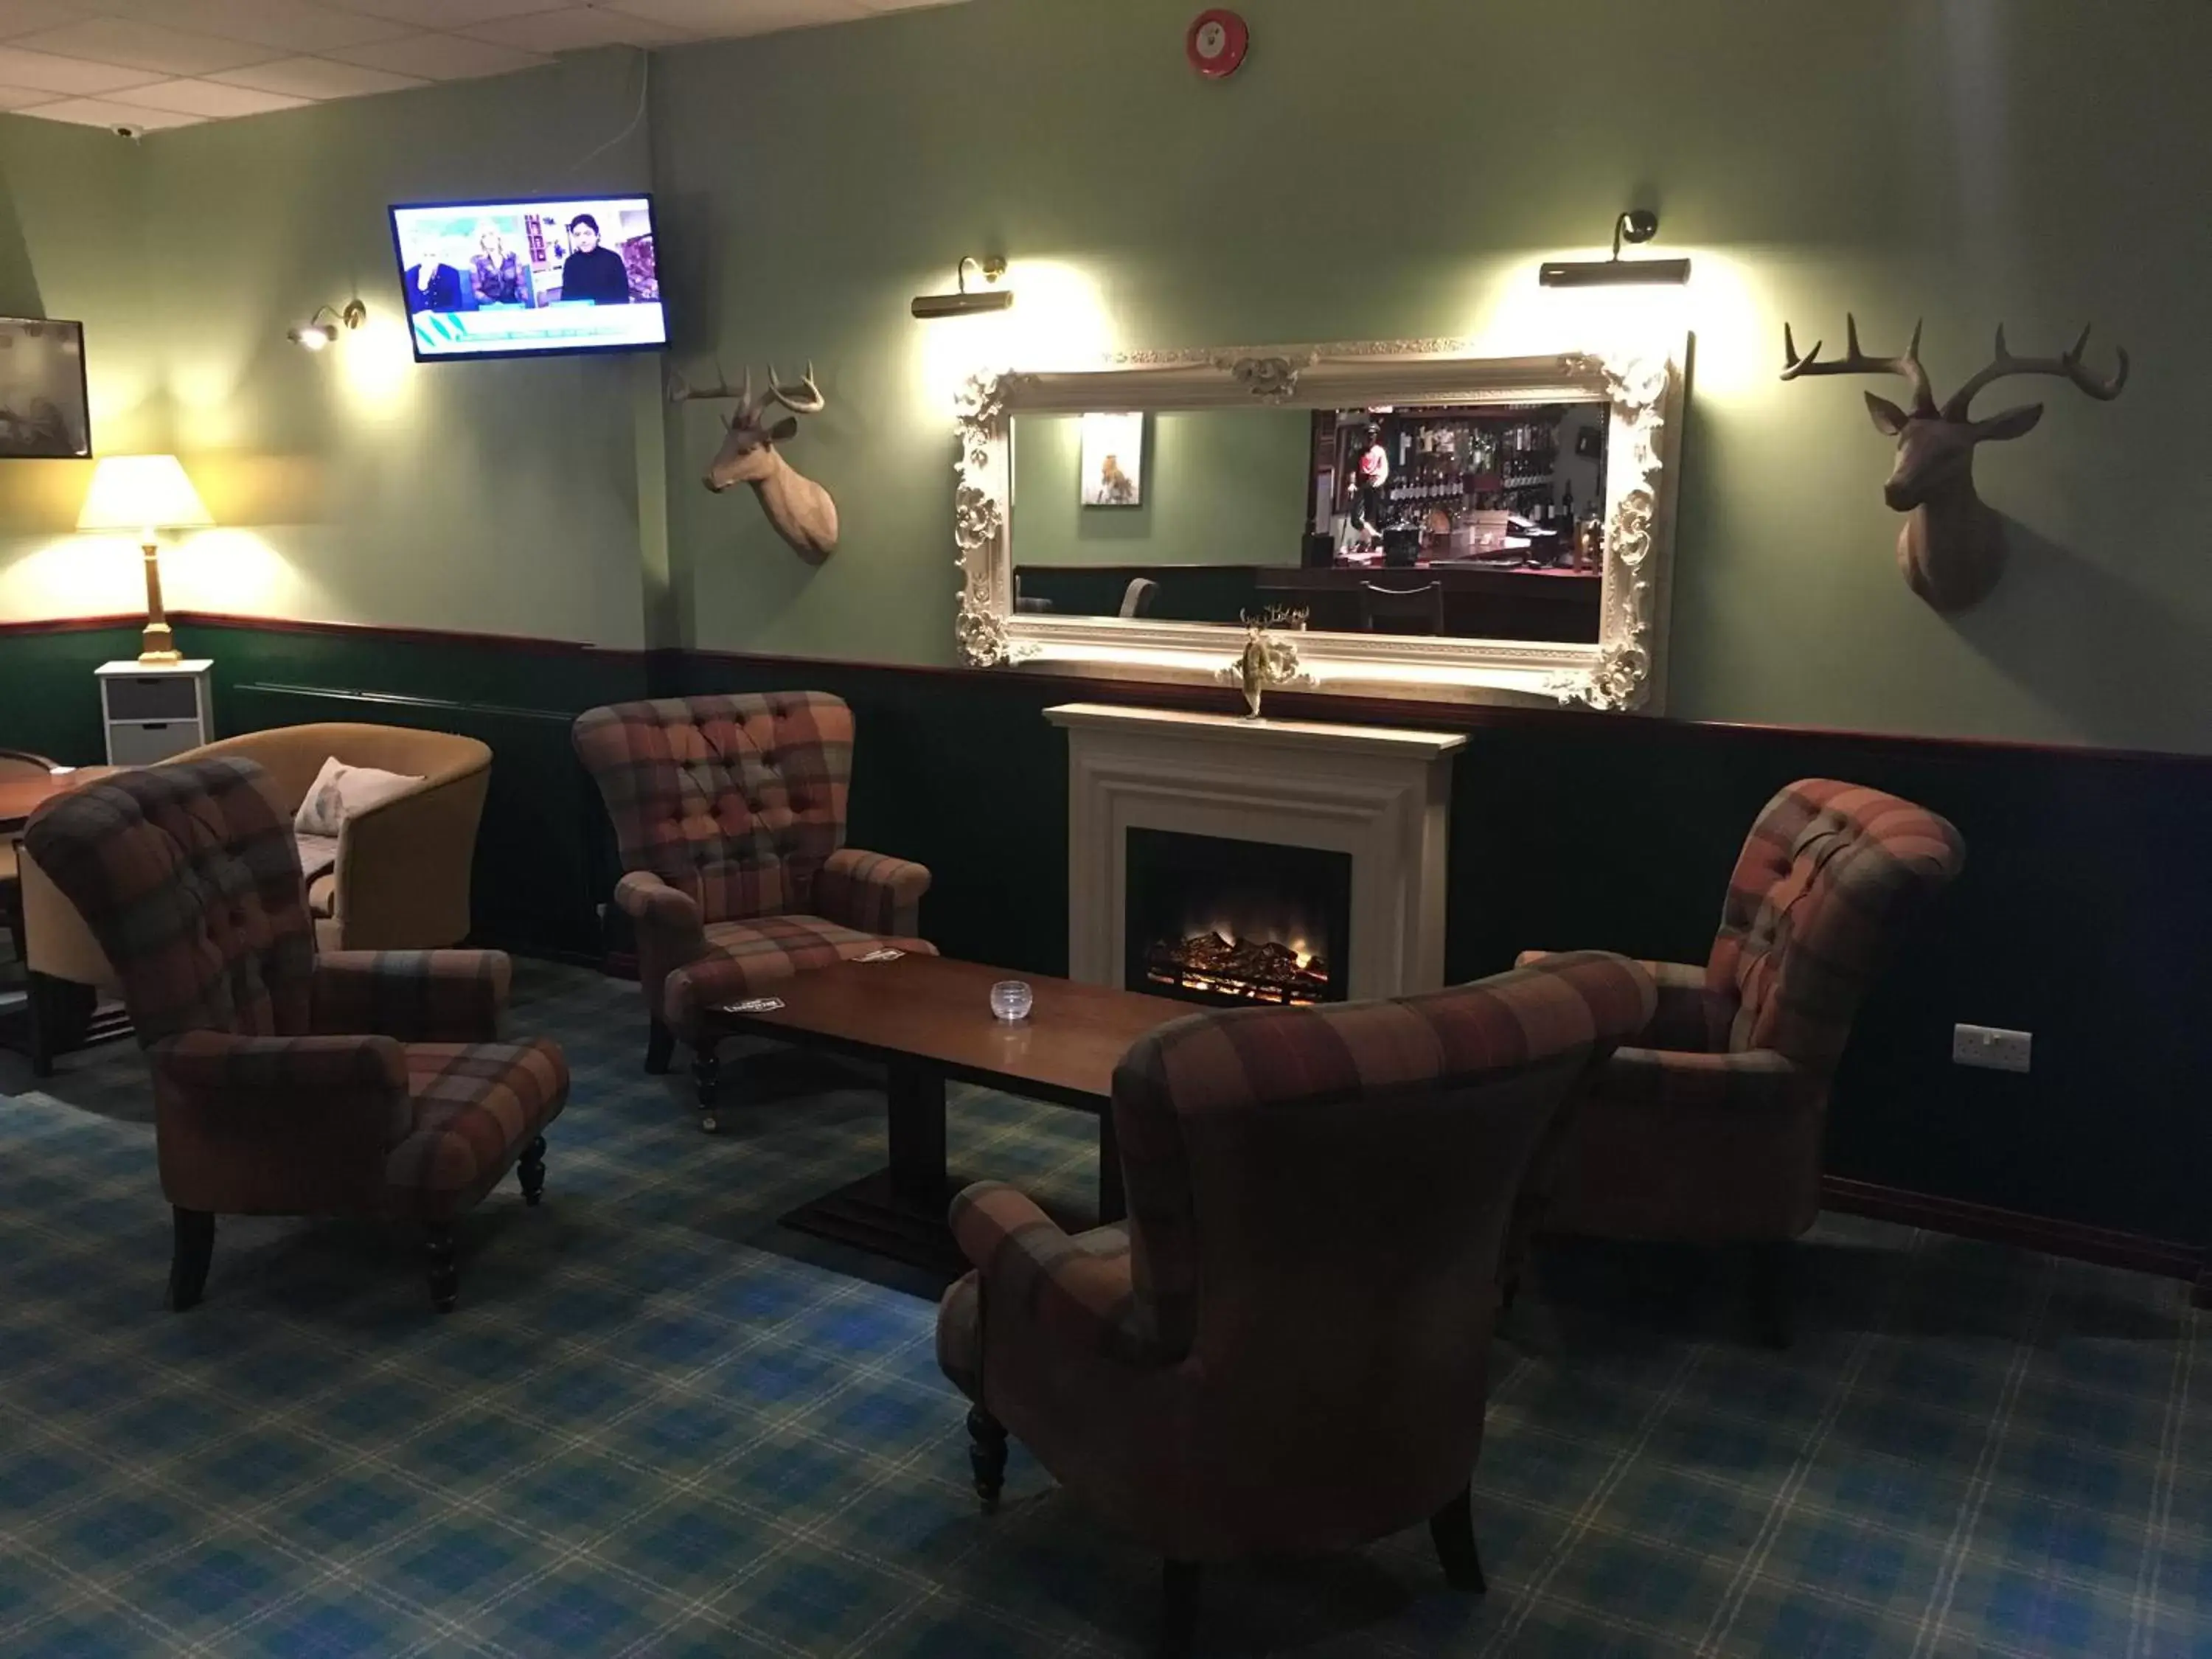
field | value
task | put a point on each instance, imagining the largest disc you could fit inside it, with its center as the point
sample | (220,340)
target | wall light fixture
(315,333)
(964,303)
(1638,225)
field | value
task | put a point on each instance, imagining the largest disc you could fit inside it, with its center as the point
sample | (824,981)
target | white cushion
(340,792)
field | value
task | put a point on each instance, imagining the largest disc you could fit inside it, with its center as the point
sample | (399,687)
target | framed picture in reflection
(43,409)
(1113,465)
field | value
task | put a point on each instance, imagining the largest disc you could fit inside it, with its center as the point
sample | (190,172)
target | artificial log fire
(1239,968)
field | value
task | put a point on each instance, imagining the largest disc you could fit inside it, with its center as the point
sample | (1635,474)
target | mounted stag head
(1952,549)
(799,509)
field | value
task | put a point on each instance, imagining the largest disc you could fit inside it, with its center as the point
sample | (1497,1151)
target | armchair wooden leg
(531,1172)
(706,1078)
(986,1454)
(1179,1582)
(659,1048)
(1769,1265)
(444,1272)
(188,1265)
(1453,1528)
(60,1014)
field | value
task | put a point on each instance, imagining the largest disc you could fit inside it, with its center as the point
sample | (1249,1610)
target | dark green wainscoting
(2070,921)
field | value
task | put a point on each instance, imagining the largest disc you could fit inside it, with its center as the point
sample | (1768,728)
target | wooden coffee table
(929,1019)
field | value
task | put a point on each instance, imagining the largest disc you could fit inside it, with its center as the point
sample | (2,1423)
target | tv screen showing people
(503,279)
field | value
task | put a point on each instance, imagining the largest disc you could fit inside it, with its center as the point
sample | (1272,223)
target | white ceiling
(153,63)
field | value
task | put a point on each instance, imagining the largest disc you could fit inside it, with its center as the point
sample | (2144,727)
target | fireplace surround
(1380,797)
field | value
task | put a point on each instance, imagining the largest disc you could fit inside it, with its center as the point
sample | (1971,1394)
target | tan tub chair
(402,882)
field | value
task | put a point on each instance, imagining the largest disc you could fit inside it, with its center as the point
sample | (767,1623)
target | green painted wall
(356,485)
(71,224)
(1220,487)
(1394,169)
(1397,169)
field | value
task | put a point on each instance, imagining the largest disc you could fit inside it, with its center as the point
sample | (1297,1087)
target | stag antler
(803,399)
(2067,365)
(681,391)
(1857,362)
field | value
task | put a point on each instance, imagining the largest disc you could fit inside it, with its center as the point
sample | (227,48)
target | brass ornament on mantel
(1952,549)
(1267,659)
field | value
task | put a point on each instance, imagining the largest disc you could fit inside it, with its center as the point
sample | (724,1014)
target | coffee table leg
(917,1133)
(706,1080)
(1113,1200)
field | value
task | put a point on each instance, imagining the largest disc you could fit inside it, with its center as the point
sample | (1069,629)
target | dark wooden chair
(1402,609)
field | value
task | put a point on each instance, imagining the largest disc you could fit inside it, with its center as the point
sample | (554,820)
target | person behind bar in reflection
(592,272)
(1374,474)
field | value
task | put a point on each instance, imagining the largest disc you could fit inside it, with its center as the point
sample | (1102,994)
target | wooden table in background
(21,797)
(929,1019)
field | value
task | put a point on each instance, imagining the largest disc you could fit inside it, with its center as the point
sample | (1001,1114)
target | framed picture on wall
(44,411)
(1112,471)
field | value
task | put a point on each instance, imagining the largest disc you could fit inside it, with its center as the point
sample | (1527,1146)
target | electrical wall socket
(1990,1046)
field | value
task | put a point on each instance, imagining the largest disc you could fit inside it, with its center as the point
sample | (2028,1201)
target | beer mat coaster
(754,1006)
(884,955)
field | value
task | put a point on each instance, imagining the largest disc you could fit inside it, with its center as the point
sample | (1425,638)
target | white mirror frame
(1626,668)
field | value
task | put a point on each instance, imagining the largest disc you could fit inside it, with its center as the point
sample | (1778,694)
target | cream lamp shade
(143,495)
(140,494)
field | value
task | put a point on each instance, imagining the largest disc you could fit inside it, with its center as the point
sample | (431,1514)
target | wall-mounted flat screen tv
(532,278)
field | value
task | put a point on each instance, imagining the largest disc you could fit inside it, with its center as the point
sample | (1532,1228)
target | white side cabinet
(154,711)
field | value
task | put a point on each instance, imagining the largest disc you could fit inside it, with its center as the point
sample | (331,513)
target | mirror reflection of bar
(1465,520)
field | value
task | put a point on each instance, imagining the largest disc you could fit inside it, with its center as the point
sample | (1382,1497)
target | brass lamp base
(158,644)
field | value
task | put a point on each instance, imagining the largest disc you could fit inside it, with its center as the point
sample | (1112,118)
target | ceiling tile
(210,98)
(730,17)
(573,28)
(285,25)
(438,56)
(144,45)
(21,17)
(315,77)
(23,97)
(18,68)
(447,14)
(101,113)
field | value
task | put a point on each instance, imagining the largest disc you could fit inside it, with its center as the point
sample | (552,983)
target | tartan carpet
(660,1424)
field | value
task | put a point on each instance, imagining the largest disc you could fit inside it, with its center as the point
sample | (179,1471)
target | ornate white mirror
(1451,526)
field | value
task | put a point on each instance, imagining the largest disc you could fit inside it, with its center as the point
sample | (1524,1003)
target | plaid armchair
(286,1082)
(1707,1125)
(1283,1348)
(730,811)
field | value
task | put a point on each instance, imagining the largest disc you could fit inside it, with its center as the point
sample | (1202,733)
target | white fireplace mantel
(1382,795)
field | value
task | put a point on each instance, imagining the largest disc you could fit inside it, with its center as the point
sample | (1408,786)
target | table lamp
(145,494)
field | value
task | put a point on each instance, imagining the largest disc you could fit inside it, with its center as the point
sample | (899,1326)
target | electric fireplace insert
(1236,924)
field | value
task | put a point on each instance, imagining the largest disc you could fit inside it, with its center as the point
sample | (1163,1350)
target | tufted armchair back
(1318,1198)
(734,801)
(188,877)
(1827,875)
